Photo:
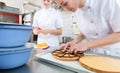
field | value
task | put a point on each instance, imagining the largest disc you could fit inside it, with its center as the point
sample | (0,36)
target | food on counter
(101,64)
(66,56)
(42,45)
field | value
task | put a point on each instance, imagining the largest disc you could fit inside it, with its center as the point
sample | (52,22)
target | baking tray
(70,65)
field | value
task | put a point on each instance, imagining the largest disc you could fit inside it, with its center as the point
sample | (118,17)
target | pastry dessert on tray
(43,46)
(66,56)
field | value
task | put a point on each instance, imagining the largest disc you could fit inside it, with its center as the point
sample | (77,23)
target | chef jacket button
(89,7)
(96,34)
(91,21)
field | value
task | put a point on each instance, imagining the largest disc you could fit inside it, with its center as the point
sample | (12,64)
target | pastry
(41,45)
(66,56)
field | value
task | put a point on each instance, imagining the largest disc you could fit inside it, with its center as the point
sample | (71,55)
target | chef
(99,22)
(48,25)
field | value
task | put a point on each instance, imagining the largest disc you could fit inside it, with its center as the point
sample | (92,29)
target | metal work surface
(36,66)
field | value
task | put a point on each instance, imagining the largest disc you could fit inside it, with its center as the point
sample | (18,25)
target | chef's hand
(36,30)
(68,44)
(44,31)
(78,47)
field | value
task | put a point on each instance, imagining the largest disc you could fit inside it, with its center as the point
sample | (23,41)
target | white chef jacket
(97,19)
(48,19)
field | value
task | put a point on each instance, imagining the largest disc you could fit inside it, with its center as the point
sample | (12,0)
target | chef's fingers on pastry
(77,51)
(66,56)
(61,46)
(71,50)
(66,46)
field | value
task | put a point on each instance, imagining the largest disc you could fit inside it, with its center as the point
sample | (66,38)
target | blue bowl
(14,35)
(22,69)
(15,57)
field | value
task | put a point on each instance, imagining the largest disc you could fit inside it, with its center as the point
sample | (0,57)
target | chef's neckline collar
(48,8)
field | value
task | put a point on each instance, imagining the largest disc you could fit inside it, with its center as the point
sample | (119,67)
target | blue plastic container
(22,69)
(15,57)
(13,35)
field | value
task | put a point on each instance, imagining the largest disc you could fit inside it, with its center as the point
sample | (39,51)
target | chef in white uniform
(48,25)
(99,22)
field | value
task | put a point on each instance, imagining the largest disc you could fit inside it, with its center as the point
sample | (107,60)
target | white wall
(37,2)
(14,3)
(19,4)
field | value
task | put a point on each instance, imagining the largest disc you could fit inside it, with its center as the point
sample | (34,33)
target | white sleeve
(58,21)
(35,22)
(114,16)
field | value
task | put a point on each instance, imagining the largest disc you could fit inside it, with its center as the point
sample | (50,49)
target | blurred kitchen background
(22,11)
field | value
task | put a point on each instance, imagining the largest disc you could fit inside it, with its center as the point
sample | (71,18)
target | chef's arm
(57,31)
(110,39)
(79,38)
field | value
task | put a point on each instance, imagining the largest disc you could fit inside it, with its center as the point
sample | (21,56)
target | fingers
(44,31)
(76,51)
(36,31)
(61,46)
(66,46)
(40,30)
(72,49)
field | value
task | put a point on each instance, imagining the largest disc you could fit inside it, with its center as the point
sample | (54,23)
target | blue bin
(14,57)
(13,35)
(22,69)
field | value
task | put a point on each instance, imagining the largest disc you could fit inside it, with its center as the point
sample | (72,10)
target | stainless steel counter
(34,65)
